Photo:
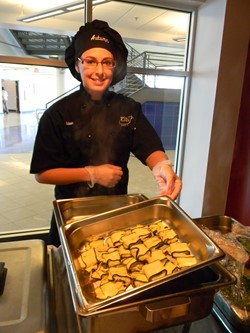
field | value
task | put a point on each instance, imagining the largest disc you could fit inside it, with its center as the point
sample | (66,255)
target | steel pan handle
(165,309)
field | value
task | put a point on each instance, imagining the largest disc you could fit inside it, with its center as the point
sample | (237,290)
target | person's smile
(96,67)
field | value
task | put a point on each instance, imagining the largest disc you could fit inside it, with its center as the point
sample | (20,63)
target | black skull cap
(98,34)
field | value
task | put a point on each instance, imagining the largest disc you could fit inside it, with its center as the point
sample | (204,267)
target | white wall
(219,63)
(227,105)
(201,107)
(38,85)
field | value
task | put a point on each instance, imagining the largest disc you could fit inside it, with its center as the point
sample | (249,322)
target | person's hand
(107,175)
(167,180)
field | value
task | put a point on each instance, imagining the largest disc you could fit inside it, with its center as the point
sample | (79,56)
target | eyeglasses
(93,63)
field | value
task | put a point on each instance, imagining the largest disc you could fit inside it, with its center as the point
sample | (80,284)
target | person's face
(95,68)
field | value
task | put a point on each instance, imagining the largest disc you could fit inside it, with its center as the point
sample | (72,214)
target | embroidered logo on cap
(98,38)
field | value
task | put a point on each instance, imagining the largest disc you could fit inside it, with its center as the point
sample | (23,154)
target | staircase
(130,85)
(133,82)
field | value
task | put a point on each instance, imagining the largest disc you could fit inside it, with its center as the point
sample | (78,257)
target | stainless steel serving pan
(73,235)
(180,301)
(71,210)
(232,316)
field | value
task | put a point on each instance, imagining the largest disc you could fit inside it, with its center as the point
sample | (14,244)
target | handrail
(60,96)
(155,59)
(146,60)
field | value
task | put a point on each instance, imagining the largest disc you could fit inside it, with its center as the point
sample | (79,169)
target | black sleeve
(51,144)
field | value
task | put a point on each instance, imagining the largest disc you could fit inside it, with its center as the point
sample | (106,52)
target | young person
(84,140)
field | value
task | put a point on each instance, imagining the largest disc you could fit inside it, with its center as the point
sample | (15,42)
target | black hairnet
(108,38)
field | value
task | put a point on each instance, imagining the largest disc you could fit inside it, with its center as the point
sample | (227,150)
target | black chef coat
(76,132)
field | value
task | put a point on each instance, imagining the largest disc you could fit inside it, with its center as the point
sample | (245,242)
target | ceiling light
(40,16)
(58,11)
(75,7)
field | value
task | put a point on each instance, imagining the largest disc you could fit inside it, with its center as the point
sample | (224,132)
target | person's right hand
(107,175)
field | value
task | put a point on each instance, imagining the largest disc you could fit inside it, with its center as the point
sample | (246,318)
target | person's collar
(107,96)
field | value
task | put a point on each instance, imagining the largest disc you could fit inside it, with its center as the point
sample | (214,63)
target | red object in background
(238,199)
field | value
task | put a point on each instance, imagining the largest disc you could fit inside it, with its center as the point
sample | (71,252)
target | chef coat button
(89,135)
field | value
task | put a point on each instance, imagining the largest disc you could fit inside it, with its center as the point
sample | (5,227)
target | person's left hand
(169,183)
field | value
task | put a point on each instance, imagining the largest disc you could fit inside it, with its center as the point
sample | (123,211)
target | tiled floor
(24,203)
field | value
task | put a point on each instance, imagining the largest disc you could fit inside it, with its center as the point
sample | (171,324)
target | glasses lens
(92,63)
(108,63)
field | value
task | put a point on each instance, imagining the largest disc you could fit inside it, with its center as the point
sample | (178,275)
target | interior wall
(239,186)
(227,106)
(219,64)
(210,24)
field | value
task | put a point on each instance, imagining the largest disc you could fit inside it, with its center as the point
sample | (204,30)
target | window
(158,41)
